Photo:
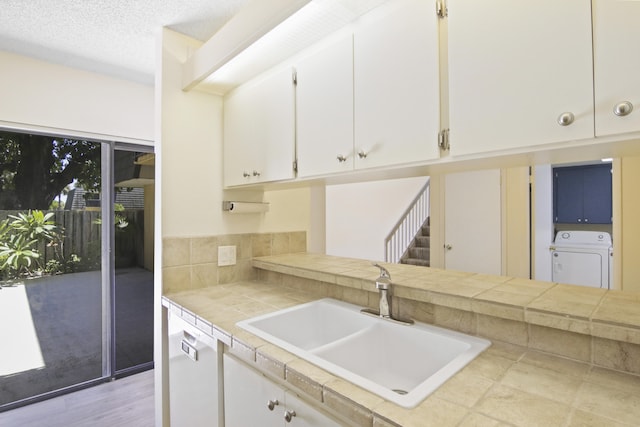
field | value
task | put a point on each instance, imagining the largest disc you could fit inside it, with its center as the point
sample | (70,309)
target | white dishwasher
(193,376)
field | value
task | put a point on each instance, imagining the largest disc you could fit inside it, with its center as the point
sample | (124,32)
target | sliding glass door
(71,302)
(133,237)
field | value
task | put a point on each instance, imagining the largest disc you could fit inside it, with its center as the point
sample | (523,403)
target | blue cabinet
(582,194)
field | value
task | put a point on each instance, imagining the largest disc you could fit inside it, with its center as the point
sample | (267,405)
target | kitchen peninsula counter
(560,355)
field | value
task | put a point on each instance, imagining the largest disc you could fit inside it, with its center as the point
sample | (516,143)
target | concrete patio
(51,330)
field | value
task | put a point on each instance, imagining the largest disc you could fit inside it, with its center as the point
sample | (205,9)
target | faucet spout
(383,284)
(384,273)
(385,304)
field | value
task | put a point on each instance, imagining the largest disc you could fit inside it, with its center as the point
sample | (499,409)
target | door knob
(448,247)
(342,158)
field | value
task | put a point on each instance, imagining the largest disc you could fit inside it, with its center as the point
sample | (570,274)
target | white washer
(582,258)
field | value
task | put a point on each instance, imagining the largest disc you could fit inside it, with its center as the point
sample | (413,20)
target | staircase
(418,252)
(408,241)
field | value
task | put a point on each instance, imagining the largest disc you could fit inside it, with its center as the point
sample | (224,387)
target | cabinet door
(396,84)
(239,158)
(306,416)
(616,37)
(597,195)
(259,129)
(568,196)
(247,395)
(582,195)
(324,109)
(516,66)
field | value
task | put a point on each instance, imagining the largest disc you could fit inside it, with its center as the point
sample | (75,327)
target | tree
(34,169)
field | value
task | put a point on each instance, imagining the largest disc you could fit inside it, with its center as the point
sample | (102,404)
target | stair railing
(403,233)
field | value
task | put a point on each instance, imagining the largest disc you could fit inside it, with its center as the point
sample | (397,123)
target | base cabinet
(250,399)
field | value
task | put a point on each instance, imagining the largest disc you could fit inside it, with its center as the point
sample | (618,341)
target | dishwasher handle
(189,349)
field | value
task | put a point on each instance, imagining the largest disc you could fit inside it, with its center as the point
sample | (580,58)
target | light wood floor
(124,402)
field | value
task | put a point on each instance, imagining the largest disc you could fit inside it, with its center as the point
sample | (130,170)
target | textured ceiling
(114,37)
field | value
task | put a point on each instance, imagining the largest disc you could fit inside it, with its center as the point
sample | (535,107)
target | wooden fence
(83,235)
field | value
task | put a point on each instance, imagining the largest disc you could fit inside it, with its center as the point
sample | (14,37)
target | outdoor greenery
(36,173)
(20,237)
(35,169)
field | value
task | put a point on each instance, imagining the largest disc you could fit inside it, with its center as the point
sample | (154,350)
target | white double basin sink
(400,363)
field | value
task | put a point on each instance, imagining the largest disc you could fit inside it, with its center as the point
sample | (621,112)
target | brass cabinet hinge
(294,77)
(295,166)
(443,139)
(441,9)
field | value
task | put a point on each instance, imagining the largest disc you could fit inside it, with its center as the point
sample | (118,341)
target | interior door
(473,238)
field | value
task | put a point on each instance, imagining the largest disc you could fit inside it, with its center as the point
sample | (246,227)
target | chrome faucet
(383,284)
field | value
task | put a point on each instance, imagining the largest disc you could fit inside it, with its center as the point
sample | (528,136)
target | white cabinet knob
(288,415)
(565,119)
(623,108)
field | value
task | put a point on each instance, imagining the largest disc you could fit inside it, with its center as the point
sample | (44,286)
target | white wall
(190,162)
(359,216)
(543,225)
(40,96)
(189,191)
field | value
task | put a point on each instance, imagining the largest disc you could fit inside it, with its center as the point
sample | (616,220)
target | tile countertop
(507,385)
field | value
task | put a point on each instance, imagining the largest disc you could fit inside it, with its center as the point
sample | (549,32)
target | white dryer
(582,258)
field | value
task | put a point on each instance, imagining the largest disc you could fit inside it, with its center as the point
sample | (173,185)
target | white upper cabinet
(520,73)
(396,84)
(324,115)
(259,130)
(616,50)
